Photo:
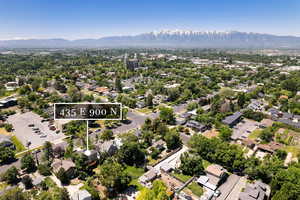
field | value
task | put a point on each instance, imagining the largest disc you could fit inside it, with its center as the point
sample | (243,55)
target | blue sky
(73,19)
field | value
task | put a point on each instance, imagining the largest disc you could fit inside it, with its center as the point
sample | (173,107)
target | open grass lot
(288,136)
(254,134)
(295,150)
(182,177)
(135,173)
(205,163)
(19,146)
(144,110)
(7,93)
(195,188)
(3,185)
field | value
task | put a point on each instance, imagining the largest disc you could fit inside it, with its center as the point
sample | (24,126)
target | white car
(217,193)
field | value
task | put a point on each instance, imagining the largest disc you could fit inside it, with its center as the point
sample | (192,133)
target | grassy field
(255,134)
(196,189)
(135,173)
(295,150)
(206,163)
(182,177)
(8,93)
(144,110)
(3,185)
(19,146)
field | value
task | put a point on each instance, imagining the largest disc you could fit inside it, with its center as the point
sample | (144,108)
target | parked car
(217,193)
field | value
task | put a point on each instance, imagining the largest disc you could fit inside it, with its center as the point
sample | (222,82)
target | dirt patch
(211,133)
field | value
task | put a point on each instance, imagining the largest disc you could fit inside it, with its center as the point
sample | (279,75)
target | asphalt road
(137,120)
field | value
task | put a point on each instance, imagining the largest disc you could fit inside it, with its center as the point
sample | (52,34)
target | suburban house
(92,156)
(256,105)
(67,165)
(255,191)
(140,104)
(266,123)
(159,144)
(107,147)
(166,167)
(6,142)
(284,117)
(215,175)
(8,102)
(101,90)
(10,86)
(197,126)
(186,115)
(147,178)
(233,119)
(59,148)
(37,180)
(269,148)
(81,195)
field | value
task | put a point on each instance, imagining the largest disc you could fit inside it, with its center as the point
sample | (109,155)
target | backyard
(135,173)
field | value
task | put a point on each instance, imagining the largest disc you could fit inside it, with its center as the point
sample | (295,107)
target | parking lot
(25,133)
(243,129)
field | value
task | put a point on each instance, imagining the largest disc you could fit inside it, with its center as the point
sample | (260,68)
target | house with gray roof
(285,117)
(255,191)
(233,119)
(197,126)
(81,195)
(6,142)
(256,105)
(108,146)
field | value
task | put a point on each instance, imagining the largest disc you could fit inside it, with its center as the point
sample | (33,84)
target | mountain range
(173,39)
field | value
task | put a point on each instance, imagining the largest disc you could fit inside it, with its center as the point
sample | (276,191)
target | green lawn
(196,189)
(295,150)
(255,134)
(19,146)
(205,163)
(135,173)
(3,185)
(182,177)
(50,183)
(144,110)
(8,93)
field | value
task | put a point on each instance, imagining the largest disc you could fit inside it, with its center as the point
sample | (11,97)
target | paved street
(137,120)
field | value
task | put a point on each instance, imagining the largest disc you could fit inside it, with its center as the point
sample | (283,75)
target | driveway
(227,187)
(24,133)
(235,192)
(172,160)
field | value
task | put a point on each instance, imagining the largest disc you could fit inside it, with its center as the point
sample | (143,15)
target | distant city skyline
(78,19)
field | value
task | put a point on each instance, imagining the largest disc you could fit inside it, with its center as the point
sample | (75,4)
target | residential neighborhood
(197,139)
